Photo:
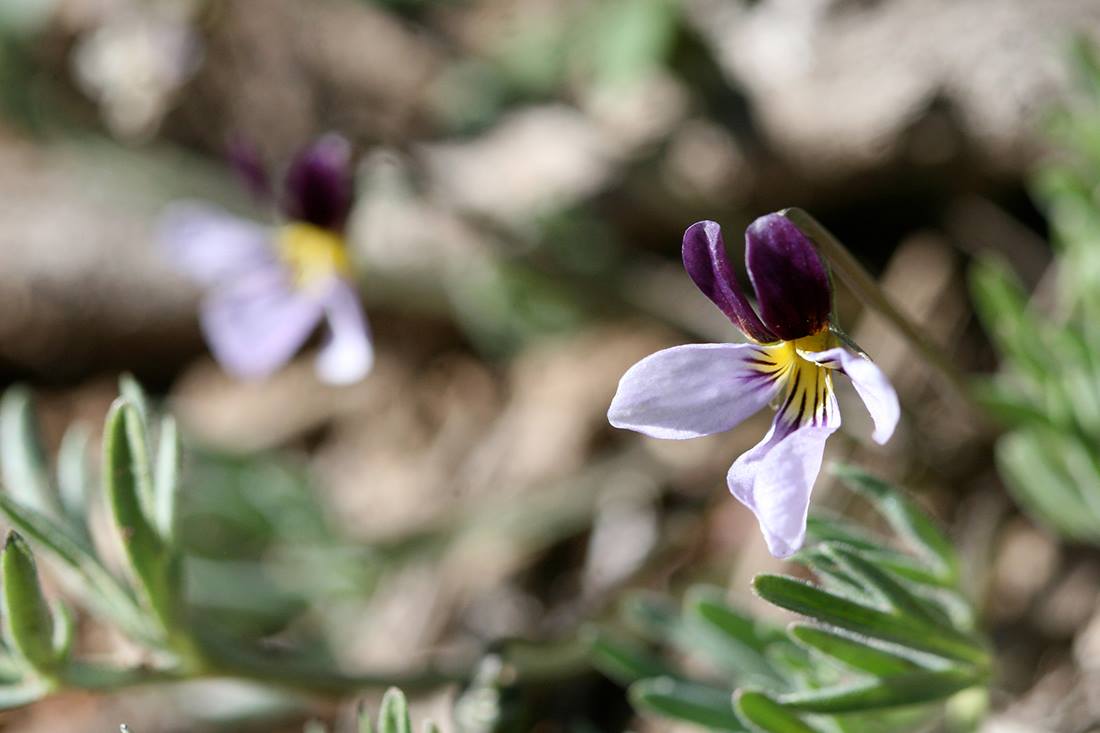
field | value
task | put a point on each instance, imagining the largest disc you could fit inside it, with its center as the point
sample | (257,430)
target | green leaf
(687,701)
(809,600)
(166,480)
(72,476)
(132,391)
(734,640)
(906,518)
(393,717)
(22,461)
(624,661)
(761,713)
(900,599)
(100,587)
(887,692)
(28,620)
(654,618)
(1035,468)
(17,696)
(314,726)
(363,723)
(853,652)
(126,479)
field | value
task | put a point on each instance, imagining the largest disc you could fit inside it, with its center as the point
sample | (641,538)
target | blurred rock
(839,86)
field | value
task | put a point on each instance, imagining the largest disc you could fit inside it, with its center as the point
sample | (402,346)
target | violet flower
(700,389)
(268,288)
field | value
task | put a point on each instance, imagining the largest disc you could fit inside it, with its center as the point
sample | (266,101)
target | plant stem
(860,282)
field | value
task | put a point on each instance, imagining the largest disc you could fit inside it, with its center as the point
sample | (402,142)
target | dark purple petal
(249,167)
(693,390)
(708,266)
(792,286)
(319,184)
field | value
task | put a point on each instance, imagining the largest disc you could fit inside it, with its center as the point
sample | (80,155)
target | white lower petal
(348,354)
(775,479)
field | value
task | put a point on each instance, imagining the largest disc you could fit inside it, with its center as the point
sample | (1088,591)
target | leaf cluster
(886,634)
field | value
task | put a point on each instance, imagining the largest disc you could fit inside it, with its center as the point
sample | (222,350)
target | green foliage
(887,635)
(1047,392)
(154,598)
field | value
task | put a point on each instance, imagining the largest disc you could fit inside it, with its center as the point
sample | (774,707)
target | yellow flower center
(313,254)
(806,392)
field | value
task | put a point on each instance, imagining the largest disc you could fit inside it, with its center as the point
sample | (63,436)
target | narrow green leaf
(430,727)
(1030,462)
(852,652)
(762,714)
(905,517)
(889,589)
(809,600)
(651,616)
(393,717)
(314,726)
(131,390)
(624,661)
(98,585)
(22,462)
(888,692)
(24,693)
(363,723)
(733,640)
(28,620)
(126,476)
(687,701)
(166,480)
(72,476)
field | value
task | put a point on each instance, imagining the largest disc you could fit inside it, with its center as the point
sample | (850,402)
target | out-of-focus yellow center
(312,253)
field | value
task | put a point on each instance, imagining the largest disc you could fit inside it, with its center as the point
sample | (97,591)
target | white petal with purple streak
(690,391)
(871,384)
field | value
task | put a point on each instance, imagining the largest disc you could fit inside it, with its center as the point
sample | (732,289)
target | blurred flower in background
(269,289)
(700,389)
(134,61)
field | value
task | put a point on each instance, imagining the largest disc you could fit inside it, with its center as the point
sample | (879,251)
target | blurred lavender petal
(319,184)
(257,324)
(348,354)
(211,245)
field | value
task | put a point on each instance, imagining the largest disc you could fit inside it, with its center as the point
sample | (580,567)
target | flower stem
(860,282)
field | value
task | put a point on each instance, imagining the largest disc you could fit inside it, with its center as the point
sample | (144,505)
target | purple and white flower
(269,288)
(789,362)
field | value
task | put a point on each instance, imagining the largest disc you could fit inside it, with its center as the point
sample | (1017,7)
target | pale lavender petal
(871,384)
(775,478)
(690,391)
(255,325)
(348,354)
(211,245)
